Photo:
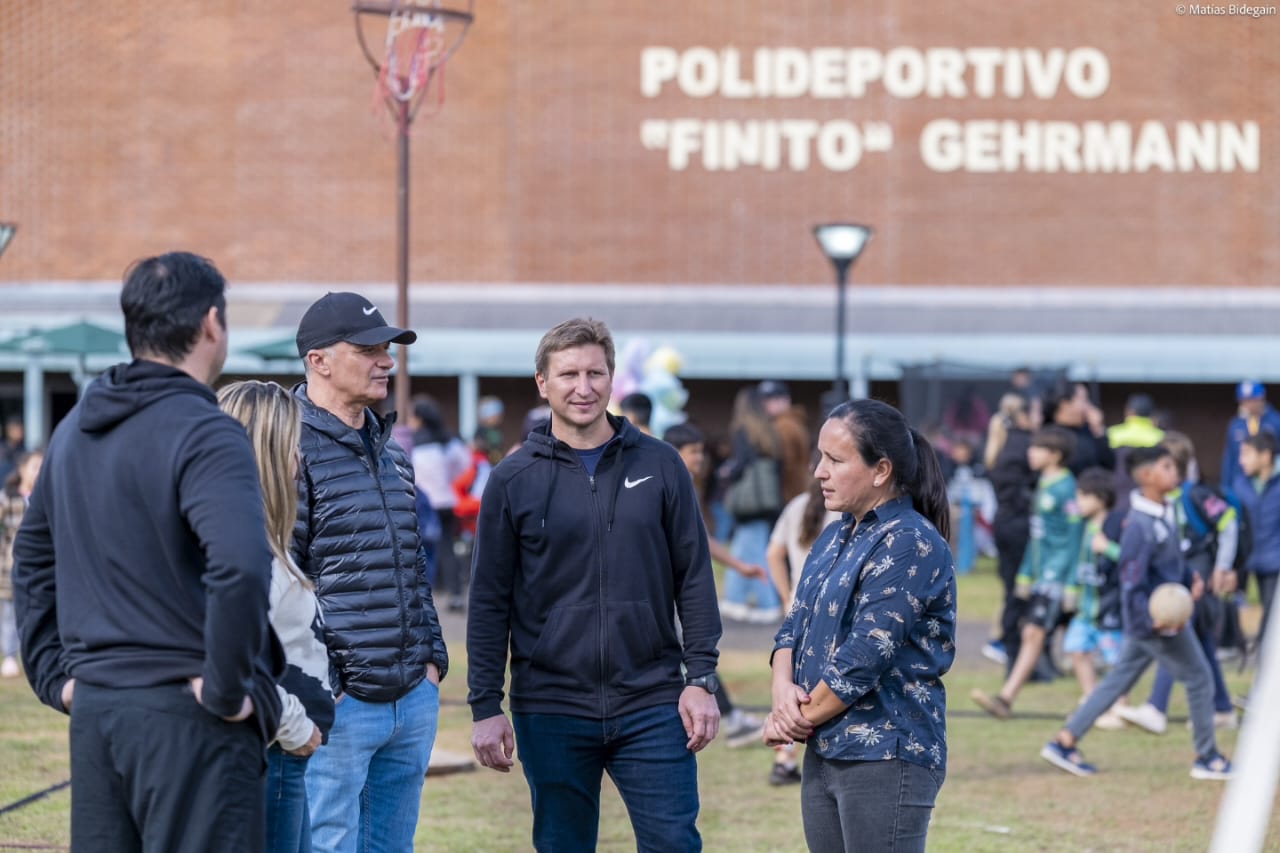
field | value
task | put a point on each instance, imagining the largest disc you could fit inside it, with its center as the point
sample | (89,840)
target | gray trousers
(852,806)
(1182,656)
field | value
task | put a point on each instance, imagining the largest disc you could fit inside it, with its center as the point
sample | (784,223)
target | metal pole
(842,279)
(402,261)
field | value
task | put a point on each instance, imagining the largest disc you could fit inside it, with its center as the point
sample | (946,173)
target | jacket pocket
(635,647)
(566,655)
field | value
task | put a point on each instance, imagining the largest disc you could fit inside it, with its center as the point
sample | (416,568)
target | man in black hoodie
(590,538)
(141,583)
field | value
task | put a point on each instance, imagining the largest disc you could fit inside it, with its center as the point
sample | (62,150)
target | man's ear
(318,362)
(541,382)
(211,326)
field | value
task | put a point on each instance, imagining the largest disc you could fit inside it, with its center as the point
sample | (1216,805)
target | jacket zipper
(396,563)
(602,615)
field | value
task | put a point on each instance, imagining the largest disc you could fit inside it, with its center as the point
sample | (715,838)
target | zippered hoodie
(1150,554)
(1263,510)
(578,575)
(143,557)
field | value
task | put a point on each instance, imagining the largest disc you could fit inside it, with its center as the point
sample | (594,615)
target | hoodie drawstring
(617,487)
(551,489)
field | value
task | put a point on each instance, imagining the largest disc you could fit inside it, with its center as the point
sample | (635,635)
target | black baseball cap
(773,388)
(346,317)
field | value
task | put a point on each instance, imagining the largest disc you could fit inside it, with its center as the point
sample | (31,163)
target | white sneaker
(9,668)
(733,611)
(1145,716)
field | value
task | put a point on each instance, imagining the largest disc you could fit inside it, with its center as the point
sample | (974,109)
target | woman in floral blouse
(858,662)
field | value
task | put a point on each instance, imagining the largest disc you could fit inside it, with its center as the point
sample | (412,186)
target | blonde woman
(272,418)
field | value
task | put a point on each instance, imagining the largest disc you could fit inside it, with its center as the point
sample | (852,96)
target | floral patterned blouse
(874,617)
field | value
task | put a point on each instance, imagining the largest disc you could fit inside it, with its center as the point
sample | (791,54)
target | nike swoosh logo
(631,484)
(368,312)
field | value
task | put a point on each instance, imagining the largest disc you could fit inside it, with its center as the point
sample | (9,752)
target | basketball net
(413,58)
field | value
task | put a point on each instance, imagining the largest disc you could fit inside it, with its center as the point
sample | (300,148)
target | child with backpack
(1209,533)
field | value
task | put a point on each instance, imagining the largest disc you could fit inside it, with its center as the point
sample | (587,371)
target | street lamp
(841,242)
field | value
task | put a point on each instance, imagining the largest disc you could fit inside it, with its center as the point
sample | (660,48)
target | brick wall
(246,131)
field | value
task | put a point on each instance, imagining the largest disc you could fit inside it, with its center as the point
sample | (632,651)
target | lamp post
(842,243)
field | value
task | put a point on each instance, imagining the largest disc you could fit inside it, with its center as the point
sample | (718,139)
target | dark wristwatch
(709,683)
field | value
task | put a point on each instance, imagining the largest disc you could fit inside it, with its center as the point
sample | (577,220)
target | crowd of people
(234,594)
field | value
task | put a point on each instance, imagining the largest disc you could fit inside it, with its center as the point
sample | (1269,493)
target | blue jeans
(749,543)
(644,752)
(364,786)
(866,805)
(288,822)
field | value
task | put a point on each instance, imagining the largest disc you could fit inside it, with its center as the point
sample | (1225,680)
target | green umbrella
(285,348)
(76,339)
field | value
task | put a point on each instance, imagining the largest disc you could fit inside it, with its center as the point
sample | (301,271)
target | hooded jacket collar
(126,389)
(542,444)
(329,424)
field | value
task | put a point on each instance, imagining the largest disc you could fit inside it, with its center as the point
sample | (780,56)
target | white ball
(1170,605)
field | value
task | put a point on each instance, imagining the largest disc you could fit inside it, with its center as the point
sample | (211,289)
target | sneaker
(1070,760)
(743,730)
(1145,716)
(995,652)
(1215,767)
(9,669)
(993,705)
(733,611)
(781,774)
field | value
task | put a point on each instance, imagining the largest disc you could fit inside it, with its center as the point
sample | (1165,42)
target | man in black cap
(357,539)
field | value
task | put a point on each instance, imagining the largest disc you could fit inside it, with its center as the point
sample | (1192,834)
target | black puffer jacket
(357,539)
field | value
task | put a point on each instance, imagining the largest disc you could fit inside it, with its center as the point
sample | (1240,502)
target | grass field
(999,795)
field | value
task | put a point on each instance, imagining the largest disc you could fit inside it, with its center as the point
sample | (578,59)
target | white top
(436,466)
(295,616)
(786,531)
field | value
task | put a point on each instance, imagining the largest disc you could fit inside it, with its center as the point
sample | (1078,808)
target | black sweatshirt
(143,559)
(582,576)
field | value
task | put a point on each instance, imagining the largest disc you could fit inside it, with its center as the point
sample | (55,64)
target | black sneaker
(781,774)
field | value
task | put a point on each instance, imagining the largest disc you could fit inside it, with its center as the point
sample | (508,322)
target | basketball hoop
(421,36)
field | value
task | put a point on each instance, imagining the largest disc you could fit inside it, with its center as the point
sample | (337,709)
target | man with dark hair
(638,409)
(590,539)
(358,539)
(141,579)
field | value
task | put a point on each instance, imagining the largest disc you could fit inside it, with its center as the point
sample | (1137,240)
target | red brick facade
(245,131)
